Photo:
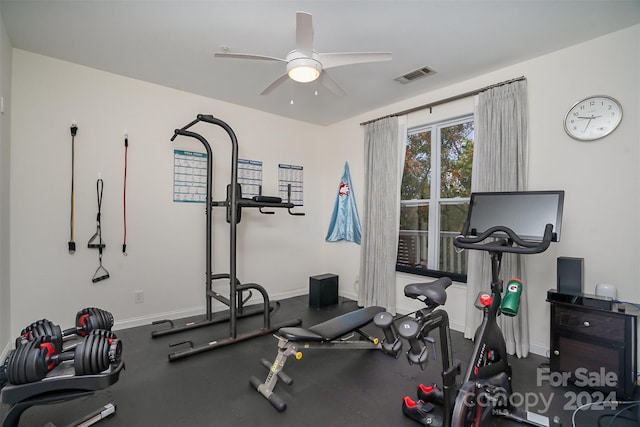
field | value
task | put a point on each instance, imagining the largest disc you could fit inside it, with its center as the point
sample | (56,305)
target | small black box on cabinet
(570,275)
(323,290)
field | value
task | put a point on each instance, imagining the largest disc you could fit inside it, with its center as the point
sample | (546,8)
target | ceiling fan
(304,64)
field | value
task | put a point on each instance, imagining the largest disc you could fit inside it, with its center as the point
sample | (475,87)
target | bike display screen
(525,212)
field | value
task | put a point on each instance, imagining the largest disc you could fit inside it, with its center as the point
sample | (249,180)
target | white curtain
(384,152)
(500,164)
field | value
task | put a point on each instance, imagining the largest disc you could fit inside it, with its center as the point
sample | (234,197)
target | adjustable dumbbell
(417,354)
(87,320)
(391,343)
(33,359)
(96,352)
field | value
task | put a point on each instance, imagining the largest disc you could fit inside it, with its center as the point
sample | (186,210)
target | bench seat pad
(332,328)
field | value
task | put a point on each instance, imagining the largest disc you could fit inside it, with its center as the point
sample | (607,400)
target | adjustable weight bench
(325,335)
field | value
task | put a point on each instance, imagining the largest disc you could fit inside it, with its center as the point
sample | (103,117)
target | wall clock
(593,118)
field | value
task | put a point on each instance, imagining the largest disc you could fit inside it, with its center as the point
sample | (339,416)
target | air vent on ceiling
(415,74)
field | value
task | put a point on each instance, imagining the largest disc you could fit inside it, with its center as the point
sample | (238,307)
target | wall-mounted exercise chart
(189,176)
(290,175)
(250,177)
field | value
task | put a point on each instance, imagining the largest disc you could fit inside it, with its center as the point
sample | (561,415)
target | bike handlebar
(504,245)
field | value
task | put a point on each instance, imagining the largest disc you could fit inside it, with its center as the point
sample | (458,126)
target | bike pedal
(421,412)
(430,394)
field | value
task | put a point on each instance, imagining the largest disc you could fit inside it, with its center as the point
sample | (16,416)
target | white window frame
(433,243)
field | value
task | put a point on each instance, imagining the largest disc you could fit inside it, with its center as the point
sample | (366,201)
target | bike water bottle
(511,301)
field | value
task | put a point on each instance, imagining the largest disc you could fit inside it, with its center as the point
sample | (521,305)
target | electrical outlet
(138,297)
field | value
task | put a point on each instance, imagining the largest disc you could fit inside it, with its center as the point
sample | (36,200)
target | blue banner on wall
(345,222)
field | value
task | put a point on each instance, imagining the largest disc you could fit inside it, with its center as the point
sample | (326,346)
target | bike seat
(433,292)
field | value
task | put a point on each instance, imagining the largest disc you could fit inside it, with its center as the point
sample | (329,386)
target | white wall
(166,240)
(600,178)
(5,126)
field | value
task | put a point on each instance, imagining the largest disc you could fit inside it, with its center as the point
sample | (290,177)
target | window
(436,187)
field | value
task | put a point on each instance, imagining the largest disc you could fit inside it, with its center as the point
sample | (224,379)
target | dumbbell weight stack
(34,359)
(27,364)
(87,320)
(96,352)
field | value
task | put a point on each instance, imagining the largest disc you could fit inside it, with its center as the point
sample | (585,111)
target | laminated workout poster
(189,176)
(250,177)
(290,175)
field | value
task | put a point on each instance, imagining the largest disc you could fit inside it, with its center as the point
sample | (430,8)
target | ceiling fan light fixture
(304,70)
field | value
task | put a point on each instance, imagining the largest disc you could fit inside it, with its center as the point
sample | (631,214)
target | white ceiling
(172,43)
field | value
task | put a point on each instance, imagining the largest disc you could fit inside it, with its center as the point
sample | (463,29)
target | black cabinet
(594,342)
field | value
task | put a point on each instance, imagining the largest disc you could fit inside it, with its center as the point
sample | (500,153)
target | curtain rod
(446,100)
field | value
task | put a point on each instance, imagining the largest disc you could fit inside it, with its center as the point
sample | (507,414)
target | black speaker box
(323,290)
(570,275)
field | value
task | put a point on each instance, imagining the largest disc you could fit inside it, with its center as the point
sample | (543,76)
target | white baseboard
(168,315)
(539,349)
(347,294)
(196,311)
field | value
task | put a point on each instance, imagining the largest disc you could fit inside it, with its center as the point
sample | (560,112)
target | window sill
(421,272)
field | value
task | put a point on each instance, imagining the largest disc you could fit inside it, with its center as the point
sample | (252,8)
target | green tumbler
(511,301)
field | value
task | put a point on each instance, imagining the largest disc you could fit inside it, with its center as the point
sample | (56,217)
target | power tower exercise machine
(497,223)
(237,299)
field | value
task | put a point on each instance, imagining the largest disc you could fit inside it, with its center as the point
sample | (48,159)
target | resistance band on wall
(101,272)
(124,196)
(72,244)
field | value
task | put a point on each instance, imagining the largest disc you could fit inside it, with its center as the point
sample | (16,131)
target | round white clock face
(593,118)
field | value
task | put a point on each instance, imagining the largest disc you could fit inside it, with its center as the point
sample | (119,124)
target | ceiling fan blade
(247,56)
(274,84)
(330,60)
(304,33)
(327,81)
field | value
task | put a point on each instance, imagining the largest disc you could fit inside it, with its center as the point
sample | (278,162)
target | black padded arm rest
(267,199)
(250,203)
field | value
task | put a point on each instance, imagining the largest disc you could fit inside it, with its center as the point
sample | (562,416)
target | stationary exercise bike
(532,221)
